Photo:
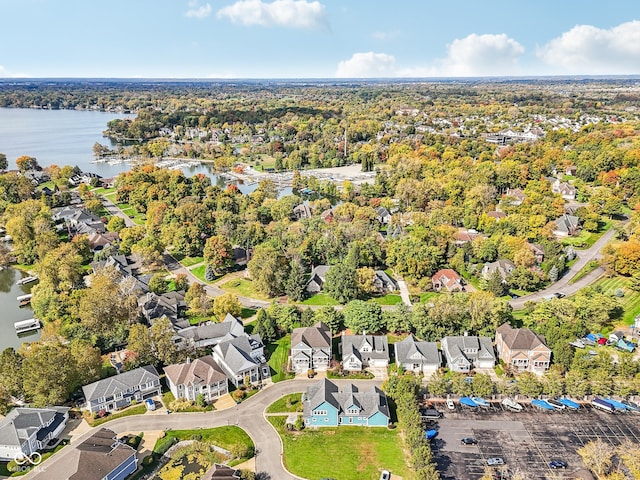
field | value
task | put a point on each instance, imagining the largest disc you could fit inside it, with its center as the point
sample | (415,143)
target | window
(353,411)
(320,413)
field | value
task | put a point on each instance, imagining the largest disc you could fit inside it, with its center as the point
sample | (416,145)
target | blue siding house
(327,406)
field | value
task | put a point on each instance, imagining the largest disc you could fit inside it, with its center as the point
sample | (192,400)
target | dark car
(558,464)
(469,441)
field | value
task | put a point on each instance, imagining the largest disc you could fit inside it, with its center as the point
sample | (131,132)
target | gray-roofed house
(26,430)
(464,353)
(362,351)
(316,280)
(565,189)
(209,334)
(566,226)
(242,357)
(383,215)
(302,211)
(522,349)
(119,391)
(221,472)
(418,357)
(168,304)
(101,457)
(325,405)
(503,266)
(311,347)
(200,376)
(383,283)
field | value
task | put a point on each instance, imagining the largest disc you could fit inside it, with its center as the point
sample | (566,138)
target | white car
(495,461)
(385,475)
(450,404)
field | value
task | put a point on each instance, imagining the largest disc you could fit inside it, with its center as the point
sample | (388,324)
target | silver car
(495,461)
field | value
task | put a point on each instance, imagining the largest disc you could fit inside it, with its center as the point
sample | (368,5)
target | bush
(148,461)
(239,394)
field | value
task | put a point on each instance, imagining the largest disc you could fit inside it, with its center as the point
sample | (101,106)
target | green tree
(529,385)
(115,224)
(49,373)
(331,317)
(181,282)
(341,282)
(296,281)
(11,372)
(482,385)
(266,326)
(362,316)
(495,284)
(268,269)
(158,283)
(3,162)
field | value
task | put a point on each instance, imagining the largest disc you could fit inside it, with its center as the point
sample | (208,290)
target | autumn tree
(49,373)
(226,303)
(597,456)
(218,253)
(26,162)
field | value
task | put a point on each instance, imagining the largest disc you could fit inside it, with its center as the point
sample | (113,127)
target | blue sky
(317,38)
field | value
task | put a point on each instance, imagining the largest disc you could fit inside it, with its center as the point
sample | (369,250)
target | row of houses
(519,348)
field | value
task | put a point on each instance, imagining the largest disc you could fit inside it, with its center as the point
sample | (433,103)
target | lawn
(320,299)
(288,403)
(587,239)
(428,296)
(4,472)
(584,271)
(138,218)
(224,437)
(243,287)
(389,299)
(199,272)
(103,191)
(189,261)
(134,410)
(279,357)
(631,300)
(347,453)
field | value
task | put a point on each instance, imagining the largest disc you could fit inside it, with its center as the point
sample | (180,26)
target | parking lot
(527,441)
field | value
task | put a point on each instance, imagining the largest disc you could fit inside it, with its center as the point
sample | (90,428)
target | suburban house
(327,406)
(316,280)
(200,376)
(302,211)
(102,457)
(168,304)
(98,241)
(522,349)
(126,268)
(311,348)
(383,283)
(503,266)
(515,196)
(497,215)
(537,251)
(209,334)
(565,189)
(383,215)
(566,226)
(418,357)
(464,235)
(242,357)
(221,472)
(571,170)
(362,351)
(26,430)
(119,391)
(464,353)
(447,279)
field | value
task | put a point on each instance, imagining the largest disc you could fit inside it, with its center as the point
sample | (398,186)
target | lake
(11,312)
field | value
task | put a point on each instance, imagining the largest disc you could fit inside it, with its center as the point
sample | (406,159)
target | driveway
(563,285)
(249,416)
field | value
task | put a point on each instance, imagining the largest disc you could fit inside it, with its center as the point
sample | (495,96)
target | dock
(27,325)
(25,280)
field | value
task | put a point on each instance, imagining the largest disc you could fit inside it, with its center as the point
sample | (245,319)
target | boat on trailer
(569,403)
(542,404)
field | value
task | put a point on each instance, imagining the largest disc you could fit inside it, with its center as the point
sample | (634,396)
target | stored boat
(27,325)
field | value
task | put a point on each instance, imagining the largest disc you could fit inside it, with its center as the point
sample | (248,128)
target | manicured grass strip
(199,272)
(320,299)
(631,300)
(189,261)
(390,299)
(244,288)
(224,437)
(279,356)
(135,410)
(280,406)
(586,270)
(347,453)
(428,296)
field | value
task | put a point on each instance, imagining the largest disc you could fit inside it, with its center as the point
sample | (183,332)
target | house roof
(120,383)
(201,371)
(411,350)
(567,222)
(463,235)
(21,423)
(455,347)
(385,279)
(317,336)
(229,328)
(355,343)
(236,353)
(98,456)
(447,277)
(369,401)
(519,338)
(221,472)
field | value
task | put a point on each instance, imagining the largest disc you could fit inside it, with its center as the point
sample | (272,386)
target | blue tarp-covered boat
(569,403)
(430,434)
(467,402)
(542,404)
(616,404)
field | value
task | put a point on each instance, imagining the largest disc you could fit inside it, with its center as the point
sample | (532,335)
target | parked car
(495,461)
(558,464)
(450,404)
(150,404)
(385,475)
(427,413)
(469,441)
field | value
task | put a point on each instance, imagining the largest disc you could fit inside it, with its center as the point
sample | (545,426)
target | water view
(11,312)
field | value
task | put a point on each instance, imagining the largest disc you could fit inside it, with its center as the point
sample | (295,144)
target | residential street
(249,415)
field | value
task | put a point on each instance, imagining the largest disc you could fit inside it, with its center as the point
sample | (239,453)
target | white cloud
(198,11)
(480,55)
(367,65)
(279,13)
(385,35)
(4,73)
(586,49)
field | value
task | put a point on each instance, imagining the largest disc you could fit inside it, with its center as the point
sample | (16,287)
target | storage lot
(527,441)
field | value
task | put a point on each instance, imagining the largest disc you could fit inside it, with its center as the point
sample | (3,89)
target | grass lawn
(243,287)
(134,410)
(247,313)
(138,218)
(587,269)
(320,299)
(189,261)
(199,272)
(103,191)
(280,406)
(587,239)
(428,296)
(389,299)
(631,300)
(225,437)
(322,453)
(4,472)
(278,358)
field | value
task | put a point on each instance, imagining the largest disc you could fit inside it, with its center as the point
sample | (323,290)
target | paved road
(563,285)
(249,416)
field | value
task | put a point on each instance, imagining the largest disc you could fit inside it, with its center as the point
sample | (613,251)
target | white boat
(28,296)
(25,280)
(27,325)
(512,404)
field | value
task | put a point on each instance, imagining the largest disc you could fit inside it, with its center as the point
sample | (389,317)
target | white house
(200,376)
(361,351)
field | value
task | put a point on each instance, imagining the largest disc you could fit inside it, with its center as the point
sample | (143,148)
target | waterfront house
(121,390)
(200,376)
(464,353)
(311,348)
(327,406)
(418,357)
(101,457)
(362,351)
(522,349)
(27,430)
